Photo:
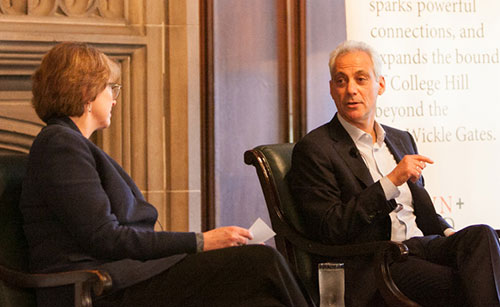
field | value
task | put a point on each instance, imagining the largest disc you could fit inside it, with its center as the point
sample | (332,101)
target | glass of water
(331,284)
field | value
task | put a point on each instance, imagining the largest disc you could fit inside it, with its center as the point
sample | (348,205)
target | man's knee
(481,231)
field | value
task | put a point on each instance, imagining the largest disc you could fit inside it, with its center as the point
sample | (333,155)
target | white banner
(442,73)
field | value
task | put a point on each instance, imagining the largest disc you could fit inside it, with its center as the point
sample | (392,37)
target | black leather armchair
(272,163)
(16,285)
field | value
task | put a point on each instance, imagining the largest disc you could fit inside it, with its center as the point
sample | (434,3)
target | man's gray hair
(352,46)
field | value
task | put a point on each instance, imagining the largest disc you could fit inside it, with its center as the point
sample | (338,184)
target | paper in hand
(261,232)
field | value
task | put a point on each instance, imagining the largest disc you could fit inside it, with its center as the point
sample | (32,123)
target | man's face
(354,88)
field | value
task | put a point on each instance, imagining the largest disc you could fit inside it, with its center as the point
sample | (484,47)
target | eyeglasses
(115,89)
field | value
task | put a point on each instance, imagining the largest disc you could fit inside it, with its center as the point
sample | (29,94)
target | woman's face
(101,108)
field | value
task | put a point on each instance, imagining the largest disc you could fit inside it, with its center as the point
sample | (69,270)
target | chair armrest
(395,250)
(99,281)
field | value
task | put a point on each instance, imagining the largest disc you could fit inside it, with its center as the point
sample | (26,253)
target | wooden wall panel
(325,23)
(255,65)
(253,92)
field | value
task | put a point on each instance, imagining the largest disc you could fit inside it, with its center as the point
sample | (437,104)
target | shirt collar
(357,134)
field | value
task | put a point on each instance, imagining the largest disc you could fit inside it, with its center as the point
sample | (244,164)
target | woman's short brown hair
(70,76)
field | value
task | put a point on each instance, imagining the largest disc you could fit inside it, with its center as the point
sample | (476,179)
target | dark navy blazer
(81,210)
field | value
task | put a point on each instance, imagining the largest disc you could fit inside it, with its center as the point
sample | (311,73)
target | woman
(82,211)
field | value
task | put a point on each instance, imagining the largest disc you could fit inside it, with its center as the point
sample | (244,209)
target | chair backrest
(272,163)
(13,245)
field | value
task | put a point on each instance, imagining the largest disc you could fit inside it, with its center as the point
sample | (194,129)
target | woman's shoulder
(52,134)
(54,140)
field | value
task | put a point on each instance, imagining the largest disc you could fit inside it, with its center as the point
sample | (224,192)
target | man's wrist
(448,232)
(391,191)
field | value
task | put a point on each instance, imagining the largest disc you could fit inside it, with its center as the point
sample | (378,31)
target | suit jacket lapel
(347,150)
(396,147)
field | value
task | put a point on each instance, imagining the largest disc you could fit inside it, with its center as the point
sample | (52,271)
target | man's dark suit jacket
(81,210)
(341,204)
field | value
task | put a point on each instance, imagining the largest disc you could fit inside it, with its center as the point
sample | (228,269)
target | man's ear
(332,88)
(381,85)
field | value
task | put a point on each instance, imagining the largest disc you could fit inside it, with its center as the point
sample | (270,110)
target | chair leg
(83,297)
(388,289)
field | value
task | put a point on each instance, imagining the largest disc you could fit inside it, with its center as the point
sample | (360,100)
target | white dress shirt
(380,163)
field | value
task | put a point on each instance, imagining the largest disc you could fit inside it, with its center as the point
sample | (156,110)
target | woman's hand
(225,237)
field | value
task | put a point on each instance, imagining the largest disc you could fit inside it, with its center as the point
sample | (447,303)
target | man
(357,181)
